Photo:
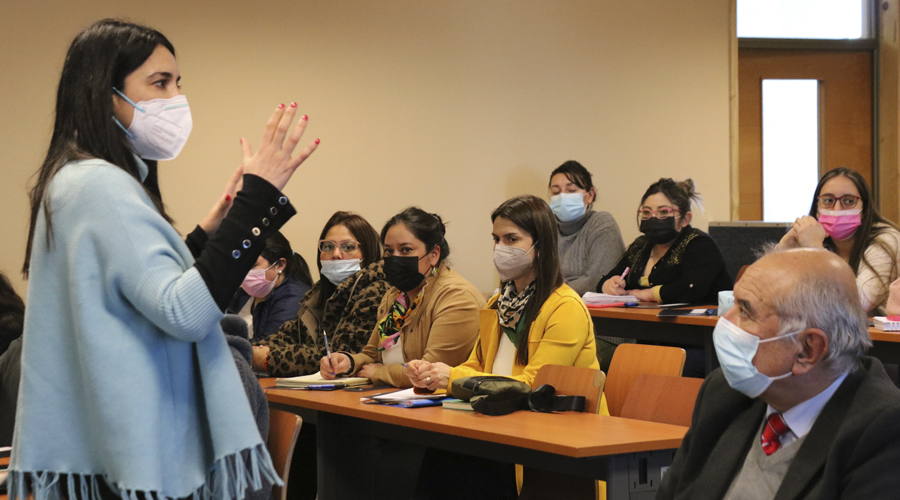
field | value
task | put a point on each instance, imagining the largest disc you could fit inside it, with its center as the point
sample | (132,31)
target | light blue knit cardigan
(126,375)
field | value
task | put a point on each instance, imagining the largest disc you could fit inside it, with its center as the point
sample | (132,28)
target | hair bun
(690,189)
(441,225)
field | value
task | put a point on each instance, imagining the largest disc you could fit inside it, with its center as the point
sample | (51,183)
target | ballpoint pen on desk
(328,350)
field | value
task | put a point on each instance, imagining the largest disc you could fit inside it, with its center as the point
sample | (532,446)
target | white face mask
(338,270)
(512,262)
(736,349)
(160,127)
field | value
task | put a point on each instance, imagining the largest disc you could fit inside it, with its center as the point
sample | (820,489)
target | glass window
(834,19)
(790,151)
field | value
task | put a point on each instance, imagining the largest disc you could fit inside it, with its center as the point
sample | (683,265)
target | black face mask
(403,272)
(659,230)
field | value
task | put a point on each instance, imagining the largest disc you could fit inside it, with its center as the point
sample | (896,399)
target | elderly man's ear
(813,348)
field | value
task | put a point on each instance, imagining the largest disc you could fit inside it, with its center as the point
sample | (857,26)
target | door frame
(873,45)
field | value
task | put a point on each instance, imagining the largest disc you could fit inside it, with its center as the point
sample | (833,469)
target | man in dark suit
(796,410)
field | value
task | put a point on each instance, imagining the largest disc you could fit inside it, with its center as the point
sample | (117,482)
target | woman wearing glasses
(842,219)
(270,293)
(431,312)
(671,262)
(343,303)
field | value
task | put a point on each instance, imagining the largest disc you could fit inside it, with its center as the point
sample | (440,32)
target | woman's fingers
(271,125)
(303,155)
(246,151)
(274,161)
(236,181)
(283,125)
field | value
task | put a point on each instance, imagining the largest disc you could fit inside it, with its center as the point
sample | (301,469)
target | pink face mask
(840,224)
(256,284)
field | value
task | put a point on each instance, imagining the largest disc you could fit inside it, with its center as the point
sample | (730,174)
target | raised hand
(275,160)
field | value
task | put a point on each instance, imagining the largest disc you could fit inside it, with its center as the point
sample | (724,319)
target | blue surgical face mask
(736,349)
(568,206)
(338,270)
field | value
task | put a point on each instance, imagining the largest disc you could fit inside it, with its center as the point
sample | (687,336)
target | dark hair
(576,173)
(532,215)
(867,232)
(12,314)
(680,193)
(426,227)
(99,59)
(278,247)
(369,245)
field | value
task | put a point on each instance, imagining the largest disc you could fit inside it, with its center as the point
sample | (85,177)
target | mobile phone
(365,388)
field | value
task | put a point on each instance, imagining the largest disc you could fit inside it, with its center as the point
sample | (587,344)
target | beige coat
(443,327)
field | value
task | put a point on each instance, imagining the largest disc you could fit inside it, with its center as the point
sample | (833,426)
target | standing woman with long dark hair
(128,386)
(844,220)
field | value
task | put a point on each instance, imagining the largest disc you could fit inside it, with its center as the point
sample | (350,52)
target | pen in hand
(328,350)
(622,277)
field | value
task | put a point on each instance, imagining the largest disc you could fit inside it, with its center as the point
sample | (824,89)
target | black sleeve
(618,270)
(259,210)
(701,263)
(196,241)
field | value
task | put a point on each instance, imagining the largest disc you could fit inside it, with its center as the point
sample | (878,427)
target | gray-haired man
(797,410)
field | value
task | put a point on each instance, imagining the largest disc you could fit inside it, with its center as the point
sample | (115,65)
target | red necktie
(772,432)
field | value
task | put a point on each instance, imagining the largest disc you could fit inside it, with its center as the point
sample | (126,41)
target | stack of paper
(305,381)
(406,398)
(886,325)
(605,298)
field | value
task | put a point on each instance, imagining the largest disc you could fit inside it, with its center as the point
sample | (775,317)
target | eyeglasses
(827,201)
(661,213)
(346,246)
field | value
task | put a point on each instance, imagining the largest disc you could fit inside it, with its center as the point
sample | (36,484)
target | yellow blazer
(562,334)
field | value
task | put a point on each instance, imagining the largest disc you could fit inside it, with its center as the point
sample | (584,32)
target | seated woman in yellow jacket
(535,320)
(431,312)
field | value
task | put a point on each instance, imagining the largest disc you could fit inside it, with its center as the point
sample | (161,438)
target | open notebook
(316,379)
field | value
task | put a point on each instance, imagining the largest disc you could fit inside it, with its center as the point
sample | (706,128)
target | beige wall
(454,106)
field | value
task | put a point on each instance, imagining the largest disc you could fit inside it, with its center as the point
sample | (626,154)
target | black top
(691,271)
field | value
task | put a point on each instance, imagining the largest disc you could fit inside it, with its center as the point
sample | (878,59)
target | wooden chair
(633,360)
(574,381)
(663,399)
(284,428)
(568,381)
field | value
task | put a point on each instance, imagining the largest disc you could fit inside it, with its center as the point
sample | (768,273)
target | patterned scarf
(389,327)
(510,306)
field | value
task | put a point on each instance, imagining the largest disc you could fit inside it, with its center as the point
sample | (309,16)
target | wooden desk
(645,325)
(621,451)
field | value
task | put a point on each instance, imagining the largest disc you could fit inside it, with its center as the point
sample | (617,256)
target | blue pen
(328,350)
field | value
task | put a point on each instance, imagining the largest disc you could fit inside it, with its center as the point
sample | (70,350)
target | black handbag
(495,395)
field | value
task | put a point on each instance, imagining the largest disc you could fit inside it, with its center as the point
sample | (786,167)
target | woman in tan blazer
(430,313)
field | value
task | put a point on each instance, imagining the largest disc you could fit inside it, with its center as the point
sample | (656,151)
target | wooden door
(845,121)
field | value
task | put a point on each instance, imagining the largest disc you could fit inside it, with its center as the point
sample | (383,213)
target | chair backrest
(574,381)
(284,428)
(632,360)
(663,399)
(568,381)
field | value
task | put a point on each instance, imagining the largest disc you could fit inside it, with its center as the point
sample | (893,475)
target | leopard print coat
(349,319)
